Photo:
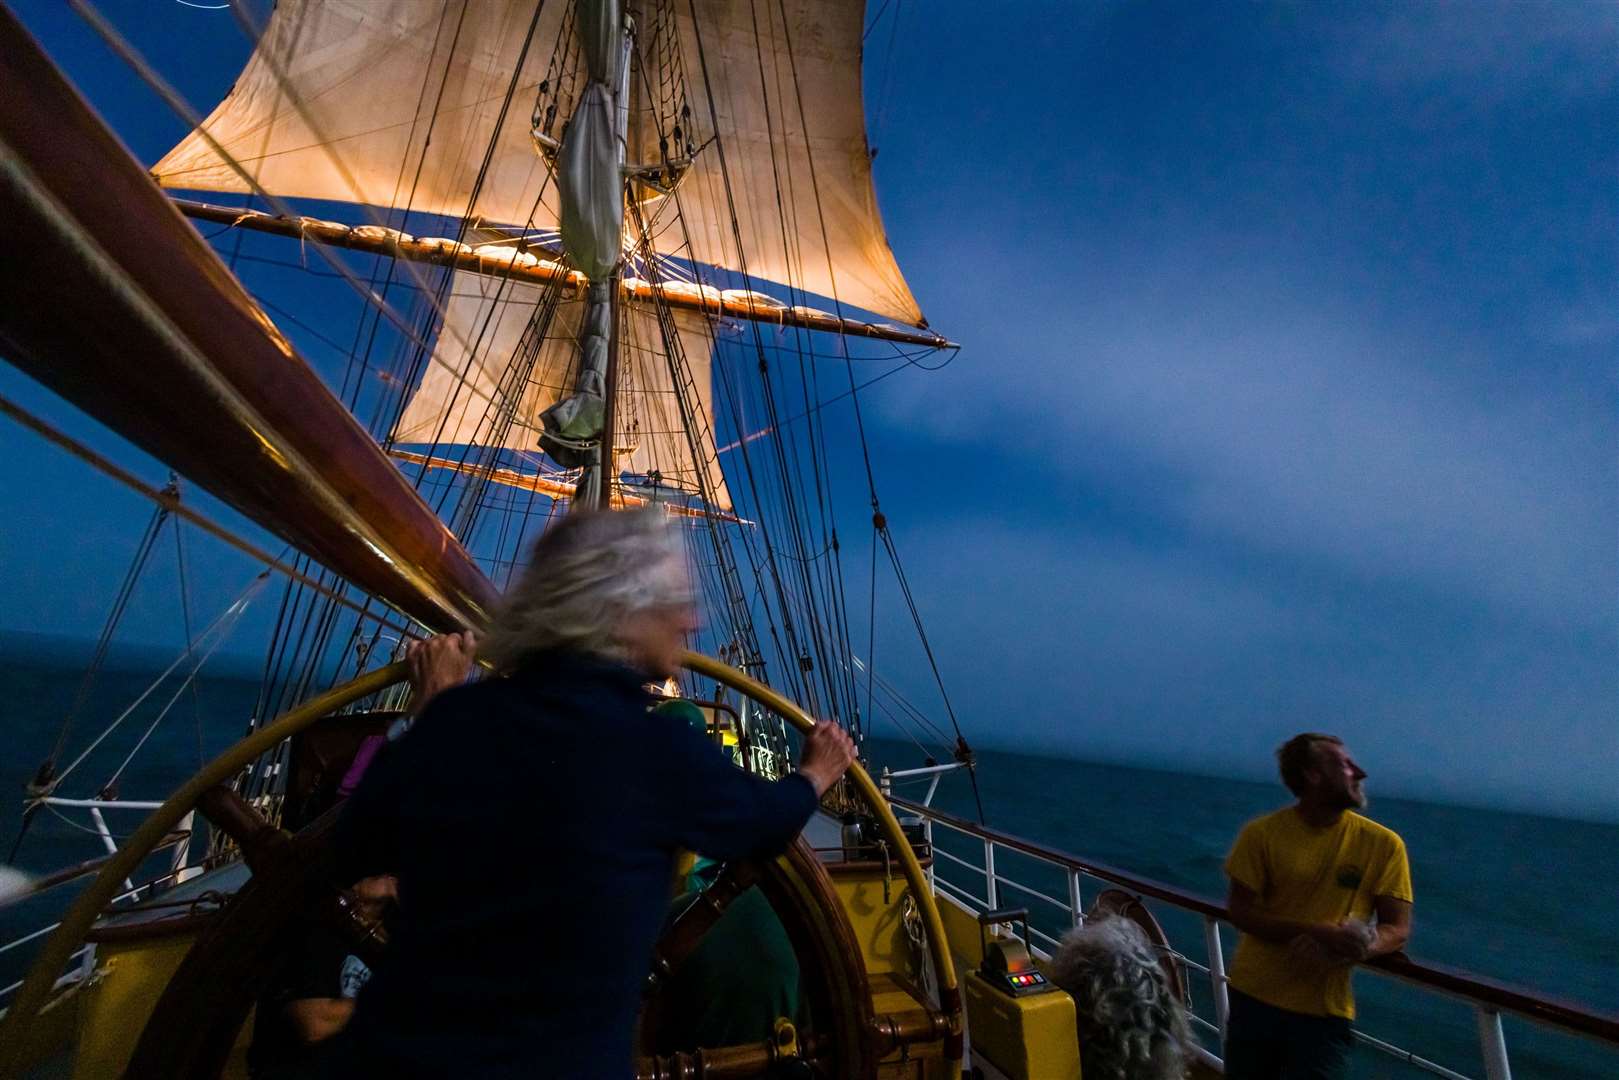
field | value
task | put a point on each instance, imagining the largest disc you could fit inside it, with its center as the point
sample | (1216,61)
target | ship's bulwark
(144,328)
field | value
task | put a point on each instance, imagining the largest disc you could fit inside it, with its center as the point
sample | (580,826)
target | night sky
(1287,398)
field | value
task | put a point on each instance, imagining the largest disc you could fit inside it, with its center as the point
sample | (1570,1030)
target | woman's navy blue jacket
(532,822)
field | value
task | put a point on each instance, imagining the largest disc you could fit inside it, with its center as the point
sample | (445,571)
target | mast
(767,183)
(590,178)
(606,467)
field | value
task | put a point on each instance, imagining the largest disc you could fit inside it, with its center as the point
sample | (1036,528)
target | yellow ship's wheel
(810,889)
(195,1023)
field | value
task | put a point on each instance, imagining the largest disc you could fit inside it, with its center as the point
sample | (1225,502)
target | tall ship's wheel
(196,1023)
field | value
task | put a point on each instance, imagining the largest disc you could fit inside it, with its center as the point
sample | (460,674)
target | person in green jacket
(744,974)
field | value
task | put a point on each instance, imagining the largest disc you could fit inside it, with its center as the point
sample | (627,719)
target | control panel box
(1025,1037)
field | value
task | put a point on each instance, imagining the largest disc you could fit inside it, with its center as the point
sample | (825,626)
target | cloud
(1290,425)
(1589,322)
(1492,51)
(1055,635)
(1057,638)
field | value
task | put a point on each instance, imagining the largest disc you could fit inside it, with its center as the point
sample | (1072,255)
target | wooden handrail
(1490,993)
(65,874)
(1203,905)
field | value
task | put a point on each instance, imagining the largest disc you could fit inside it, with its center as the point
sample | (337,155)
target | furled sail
(395,104)
(467,397)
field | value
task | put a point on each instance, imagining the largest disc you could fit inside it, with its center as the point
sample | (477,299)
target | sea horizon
(65,652)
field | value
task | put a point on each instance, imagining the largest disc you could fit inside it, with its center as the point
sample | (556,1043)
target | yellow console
(1019,1025)
(1030,1037)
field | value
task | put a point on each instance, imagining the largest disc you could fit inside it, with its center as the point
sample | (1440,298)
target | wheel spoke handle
(234,816)
(729,1062)
(687,929)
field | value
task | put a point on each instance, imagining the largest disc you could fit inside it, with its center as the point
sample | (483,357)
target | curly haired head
(1131,1025)
(588,574)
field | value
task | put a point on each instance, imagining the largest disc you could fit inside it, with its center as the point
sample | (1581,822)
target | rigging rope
(143,552)
(173,505)
(222,623)
(879,520)
(813,611)
(305,630)
(185,616)
(799,658)
(358,377)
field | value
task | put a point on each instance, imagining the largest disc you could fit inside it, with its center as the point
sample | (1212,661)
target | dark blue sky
(1288,396)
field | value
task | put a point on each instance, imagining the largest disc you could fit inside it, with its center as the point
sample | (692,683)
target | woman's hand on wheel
(828,752)
(439,663)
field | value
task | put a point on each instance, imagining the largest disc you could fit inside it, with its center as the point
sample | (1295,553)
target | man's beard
(1350,798)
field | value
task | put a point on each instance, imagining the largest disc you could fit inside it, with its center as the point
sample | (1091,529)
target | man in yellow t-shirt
(1307,882)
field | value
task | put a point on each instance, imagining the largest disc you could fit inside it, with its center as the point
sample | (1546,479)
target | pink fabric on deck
(363,757)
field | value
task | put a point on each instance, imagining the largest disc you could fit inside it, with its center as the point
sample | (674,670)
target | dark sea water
(1526,899)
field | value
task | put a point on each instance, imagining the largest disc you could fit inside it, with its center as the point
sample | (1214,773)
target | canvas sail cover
(395,105)
(469,396)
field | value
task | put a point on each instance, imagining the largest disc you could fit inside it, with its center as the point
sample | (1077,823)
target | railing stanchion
(103,832)
(991,894)
(1076,908)
(1494,1045)
(106,838)
(1222,1002)
(927,831)
(182,850)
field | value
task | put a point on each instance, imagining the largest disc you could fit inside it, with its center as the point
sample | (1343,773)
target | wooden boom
(112,300)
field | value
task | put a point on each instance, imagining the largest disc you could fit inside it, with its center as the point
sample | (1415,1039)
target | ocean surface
(1529,900)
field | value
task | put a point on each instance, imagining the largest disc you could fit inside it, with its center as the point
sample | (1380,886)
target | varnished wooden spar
(111,299)
(558,489)
(504,260)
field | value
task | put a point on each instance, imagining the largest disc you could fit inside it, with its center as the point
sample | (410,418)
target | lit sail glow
(462,399)
(561,486)
(389,114)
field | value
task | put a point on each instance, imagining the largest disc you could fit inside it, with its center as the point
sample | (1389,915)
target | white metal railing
(1487,999)
(180,869)
(932,773)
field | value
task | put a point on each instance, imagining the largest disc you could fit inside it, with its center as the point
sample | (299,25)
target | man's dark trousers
(1266,1043)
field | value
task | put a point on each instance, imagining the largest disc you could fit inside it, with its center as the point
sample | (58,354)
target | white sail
(462,399)
(366,101)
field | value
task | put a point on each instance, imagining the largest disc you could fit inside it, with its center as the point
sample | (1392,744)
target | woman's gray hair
(1131,1026)
(588,573)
